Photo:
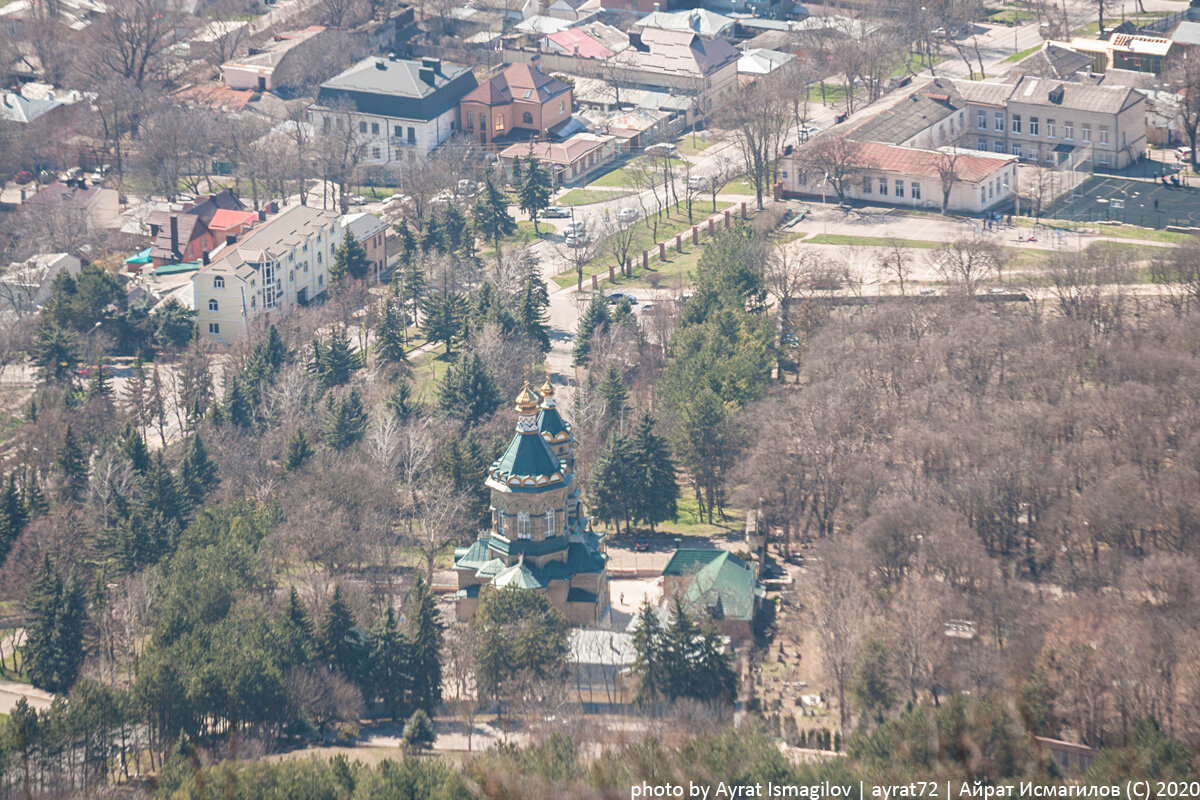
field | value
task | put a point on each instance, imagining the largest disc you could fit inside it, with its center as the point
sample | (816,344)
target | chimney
(174,236)
(427,76)
(274,207)
(381,64)
(262,215)
(204,258)
(434,64)
(230,239)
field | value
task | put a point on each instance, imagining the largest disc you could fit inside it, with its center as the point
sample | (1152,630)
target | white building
(281,264)
(26,285)
(398,109)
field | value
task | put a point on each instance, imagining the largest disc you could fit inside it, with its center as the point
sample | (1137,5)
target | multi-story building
(518,104)
(395,109)
(371,232)
(281,264)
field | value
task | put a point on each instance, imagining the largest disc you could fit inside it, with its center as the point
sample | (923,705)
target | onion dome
(550,423)
(527,464)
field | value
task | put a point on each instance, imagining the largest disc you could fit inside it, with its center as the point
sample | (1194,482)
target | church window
(500,522)
(550,531)
(523,525)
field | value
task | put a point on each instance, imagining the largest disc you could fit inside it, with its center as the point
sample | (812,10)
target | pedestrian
(1156,204)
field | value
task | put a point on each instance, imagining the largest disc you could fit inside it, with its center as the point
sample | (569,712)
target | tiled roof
(678,53)
(225,218)
(913,114)
(562,153)
(575,42)
(924,163)
(758,61)
(697,20)
(520,82)
(272,238)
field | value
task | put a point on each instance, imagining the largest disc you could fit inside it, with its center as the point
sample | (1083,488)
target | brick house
(519,104)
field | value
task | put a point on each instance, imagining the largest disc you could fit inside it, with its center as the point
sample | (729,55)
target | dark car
(641,545)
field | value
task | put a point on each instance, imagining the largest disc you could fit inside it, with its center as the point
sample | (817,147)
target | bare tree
(835,158)
(946,164)
(1184,79)
(758,117)
(840,608)
(965,263)
(130,39)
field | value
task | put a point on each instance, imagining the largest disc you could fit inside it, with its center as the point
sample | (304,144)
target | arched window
(212,305)
(218,282)
(499,522)
(550,527)
(523,525)
(527,118)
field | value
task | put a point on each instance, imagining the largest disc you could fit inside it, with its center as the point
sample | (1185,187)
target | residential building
(518,104)
(888,174)
(282,263)
(695,20)
(1055,61)
(572,10)
(25,285)
(371,232)
(264,68)
(1125,51)
(717,585)
(594,40)
(572,160)
(757,62)
(398,109)
(601,669)
(539,539)
(97,205)
(186,233)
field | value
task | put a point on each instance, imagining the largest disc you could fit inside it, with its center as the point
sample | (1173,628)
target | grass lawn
(872,241)
(1092,28)
(374,192)
(703,142)
(523,236)
(1021,56)
(645,239)
(428,371)
(583,197)
(834,93)
(623,176)
(688,521)
(739,185)
(1145,234)
(1009,15)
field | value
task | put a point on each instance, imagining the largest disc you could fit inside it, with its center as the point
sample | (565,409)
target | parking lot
(1128,200)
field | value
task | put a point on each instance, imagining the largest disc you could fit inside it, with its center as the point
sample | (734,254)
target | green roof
(689,560)
(529,457)
(469,591)
(726,585)
(140,258)
(528,546)
(175,269)
(519,576)
(472,557)
(551,422)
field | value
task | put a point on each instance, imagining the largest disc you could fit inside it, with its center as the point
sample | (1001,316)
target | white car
(697,182)
(575,228)
(576,239)
(662,149)
(556,212)
(627,215)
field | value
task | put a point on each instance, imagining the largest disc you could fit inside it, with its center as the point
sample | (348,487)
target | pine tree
(431,237)
(608,484)
(469,390)
(595,317)
(134,448)
(444,315)
(265,361)
(648,644)
(345,421)
(57,616)
(350,258)
(297,640)
(72,463)
(55,351)
(298,451)
(100,387)
(137,390)
(334,359)
(401,402)
(197,472)
(237,407)
(419,733)
(653,474)
(517,175)
(534,191)
(415,288)
(492,220)
(531,314)
(462,461)
(33,496)
(407,245)
(339,640)
(425,650)
(389,336)
(387,664)
(13,515)
(616,396)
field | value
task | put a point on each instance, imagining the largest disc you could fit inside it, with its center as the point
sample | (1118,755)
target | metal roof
(398,88)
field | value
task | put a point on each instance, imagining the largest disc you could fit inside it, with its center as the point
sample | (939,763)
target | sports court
(1105,197)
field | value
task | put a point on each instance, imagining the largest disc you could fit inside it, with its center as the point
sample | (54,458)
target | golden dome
(527,401)
(547,388)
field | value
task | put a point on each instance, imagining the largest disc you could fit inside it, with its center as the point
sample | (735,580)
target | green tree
(418,731)
(99,387)
(652,472)
(444,313)
(469,390)
(649,646)
(534,190)
(462,460)
(339,638)
(595,317)
(237,407)
(407,246)
(296,639)
(425,649)
(389,336)
(387,664)
(401,402)
(72,463)
(609,488)
(1149,754)
(133,446)
(350,258)
(333,359)
(79,302)
(414,288)
(197,472)
(517,631)
(616,397)
(298,451)
(531,314)
(345,420)
(175,324)
(57,616)
(13,515)
(55,351)
(492,220)
(874,687)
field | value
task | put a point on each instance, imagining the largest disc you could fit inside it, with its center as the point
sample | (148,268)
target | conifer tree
(34,498)
(425,649)
(13,515)
(134,448)
(333,360)
(345,420)
(72,463)
(389,336)
(339,640)
(469,390)
(595,316)
(99,387)
(531,313)
(297,639)
(444,314)
(492,220)
(401,402)
(419,733)
(137,391)
(648,644)
(616,396)
(518,176)
(462,460)
(55,351)
(387,664)
(350,258)
(57,615)
(297,452)
(534,191)
(414,289)
(609,487)
(238,408)
(653,476)
(197,472)
(407,245)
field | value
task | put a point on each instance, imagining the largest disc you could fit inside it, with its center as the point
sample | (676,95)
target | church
(539,538)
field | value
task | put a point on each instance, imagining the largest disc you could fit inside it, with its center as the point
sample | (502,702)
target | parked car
(641,545)
(697,182)
(574,227)
(807,131)
(356,200)
(616,297)
(646,308)
(556,212)
(576,239)
(627,215)
(662,149)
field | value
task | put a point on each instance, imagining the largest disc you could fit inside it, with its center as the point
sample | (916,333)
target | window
(982,195)
(398,130)
(550,528)
(916,191)
(1085,133)
(981,120)
(1049,129)
(1016,150)
(1016,123)
(218,282)
(470,122)
(999,147)
(527,118)
(500,522)
(320,281)
(213,305)
(318,258)
(339,123)
(899,188)
(325,124)
(375,127)
(375,152)
(412,135)
(999,119)
(866,185)
(991,191)
(983,144)
(562,106)
(1006,181)
(1103,134)
(1068,130)
(482,122)
(499,122)
(522,524)
(214,328)
(362,127)
(883,187)
(1102,159)
(253,301)
(1033,126)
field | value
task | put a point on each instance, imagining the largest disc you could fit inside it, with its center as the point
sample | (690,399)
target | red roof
(578,43)
(224,219)
(910,161)
(520,82)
